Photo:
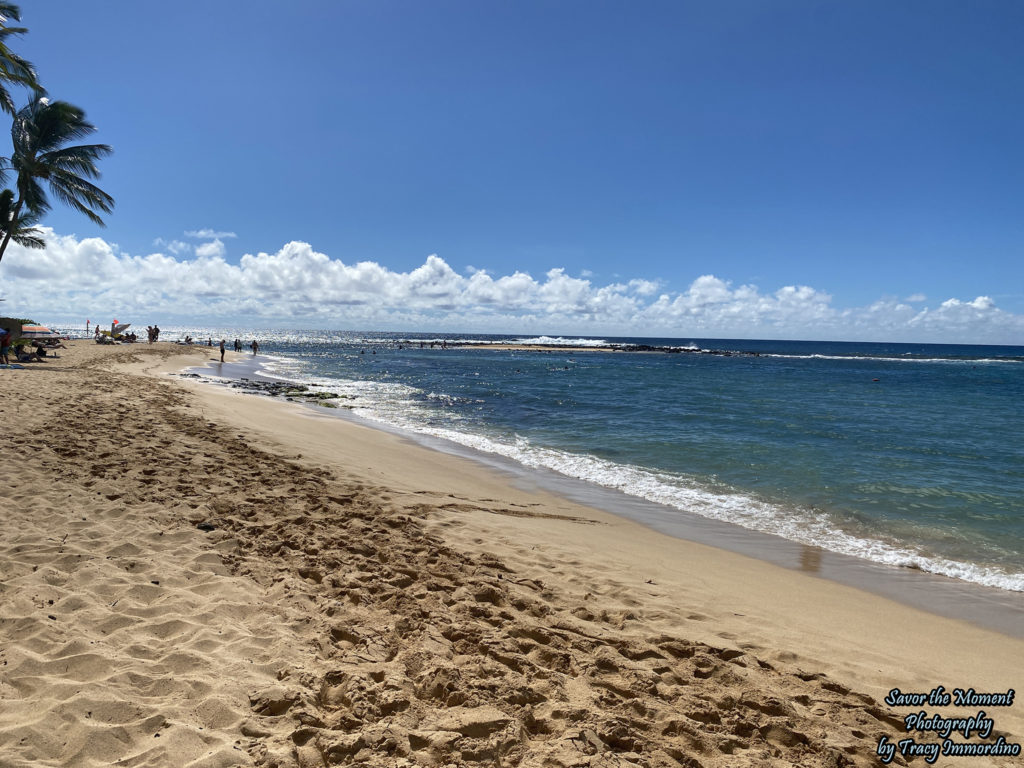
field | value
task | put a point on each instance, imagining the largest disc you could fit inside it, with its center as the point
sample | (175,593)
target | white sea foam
(561,341)
(804,526)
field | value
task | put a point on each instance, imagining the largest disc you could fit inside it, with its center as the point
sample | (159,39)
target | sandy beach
(190,576)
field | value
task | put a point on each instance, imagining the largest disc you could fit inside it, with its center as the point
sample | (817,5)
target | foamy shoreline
(362,599)
(951,589)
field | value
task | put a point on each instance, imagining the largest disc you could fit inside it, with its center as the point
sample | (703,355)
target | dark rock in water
(293,392)
(679,350)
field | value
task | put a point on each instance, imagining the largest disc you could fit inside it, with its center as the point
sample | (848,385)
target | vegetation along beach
(523,385)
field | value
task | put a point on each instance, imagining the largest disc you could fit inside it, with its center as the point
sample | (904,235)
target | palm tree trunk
(10,226)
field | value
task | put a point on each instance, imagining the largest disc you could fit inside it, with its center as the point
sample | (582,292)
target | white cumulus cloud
(174,246)
(209,234)
(212,250)
(297,286)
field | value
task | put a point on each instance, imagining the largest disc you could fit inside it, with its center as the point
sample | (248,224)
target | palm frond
(30,238)
(10,11)
(81,159)
(62,182)
(14,67)
(33,196)
(6,32)
(77,193)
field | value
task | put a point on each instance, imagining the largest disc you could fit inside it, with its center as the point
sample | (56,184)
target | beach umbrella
(38,332)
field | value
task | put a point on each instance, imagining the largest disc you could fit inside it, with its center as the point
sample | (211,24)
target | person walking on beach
(222,350)
(255,346)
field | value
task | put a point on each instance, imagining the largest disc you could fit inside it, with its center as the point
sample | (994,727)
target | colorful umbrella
(38,332)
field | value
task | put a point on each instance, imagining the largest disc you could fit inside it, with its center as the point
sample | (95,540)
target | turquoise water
(900,454)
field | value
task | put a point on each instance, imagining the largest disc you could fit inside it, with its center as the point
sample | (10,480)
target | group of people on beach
(237,343)
(238,347)
(255,345)
(22,354)
(124,338)
(102,337)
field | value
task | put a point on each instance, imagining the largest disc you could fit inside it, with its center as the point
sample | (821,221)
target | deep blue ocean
(901,454)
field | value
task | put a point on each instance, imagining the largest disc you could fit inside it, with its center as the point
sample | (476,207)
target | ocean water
(900,454)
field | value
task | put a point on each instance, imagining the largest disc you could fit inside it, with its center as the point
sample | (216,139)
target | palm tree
(40,131)
(13,68)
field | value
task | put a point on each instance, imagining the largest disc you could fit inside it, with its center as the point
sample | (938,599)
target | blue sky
(812,169)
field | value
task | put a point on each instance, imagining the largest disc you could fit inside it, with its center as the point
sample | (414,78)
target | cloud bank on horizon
(297,287)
